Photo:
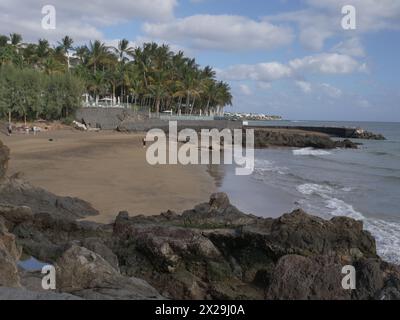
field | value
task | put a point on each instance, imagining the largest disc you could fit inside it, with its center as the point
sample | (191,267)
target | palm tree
(15,40)
(98,54)
(142,61)
(82,53)
(124,50)
(223,96)
(156,76)
(98,85)
(210,92)
(66,45)
(30,55)
(42,51)
(51,66)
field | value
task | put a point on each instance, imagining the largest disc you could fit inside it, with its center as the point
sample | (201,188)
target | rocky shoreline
(212,251)
(271,137)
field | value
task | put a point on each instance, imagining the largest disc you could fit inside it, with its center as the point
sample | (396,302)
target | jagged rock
(346,144)
(13,215)
(47,236)
(301,278)
(219,201)
(9,255)
(264,138)
(17,192)
(302,234)
(98,246)
(363,134)
(215,251)
(267,137)
(4,157)
(87,274)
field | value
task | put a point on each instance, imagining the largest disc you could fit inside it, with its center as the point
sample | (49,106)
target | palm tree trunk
(191,109)
(187,103)
(208,106)
(158,106)
(179,105)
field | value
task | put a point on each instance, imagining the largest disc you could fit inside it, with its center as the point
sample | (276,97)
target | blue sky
(285,57)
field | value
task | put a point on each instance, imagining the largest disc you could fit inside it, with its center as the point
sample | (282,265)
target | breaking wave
(310,152)
(387,234)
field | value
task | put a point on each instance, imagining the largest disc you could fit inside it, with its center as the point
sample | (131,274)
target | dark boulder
(346,144)
(9,256)
(307,278)
(17,192)
(88,275)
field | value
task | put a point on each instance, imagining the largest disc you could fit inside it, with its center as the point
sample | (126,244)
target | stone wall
(131,121)
(104,118)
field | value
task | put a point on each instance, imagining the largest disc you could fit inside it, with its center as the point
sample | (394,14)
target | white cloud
(351,47)
(264,85)
(372,15)
(222,32)
(321,20)
(245,90)
(81,20)
(331,91)
(258,72)
(304,86)
(327,63)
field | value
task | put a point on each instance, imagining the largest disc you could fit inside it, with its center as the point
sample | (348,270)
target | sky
(284,57)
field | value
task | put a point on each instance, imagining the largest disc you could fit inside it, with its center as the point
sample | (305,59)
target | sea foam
(386,233)
(310,152)
(269,166)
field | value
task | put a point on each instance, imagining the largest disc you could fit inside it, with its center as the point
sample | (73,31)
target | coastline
(201,253)
(109,170)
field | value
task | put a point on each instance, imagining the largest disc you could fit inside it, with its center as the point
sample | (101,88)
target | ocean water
(362,184)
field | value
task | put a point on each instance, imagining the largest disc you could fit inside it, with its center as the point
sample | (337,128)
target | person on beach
(9,129)
(144,142)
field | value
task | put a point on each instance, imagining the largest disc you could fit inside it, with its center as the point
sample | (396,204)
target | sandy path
(109,170)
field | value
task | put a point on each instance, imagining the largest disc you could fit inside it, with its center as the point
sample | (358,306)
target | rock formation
(212,251)
(366,135)
(216,252)
(266,137)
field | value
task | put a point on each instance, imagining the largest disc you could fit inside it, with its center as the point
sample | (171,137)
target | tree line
(38,80)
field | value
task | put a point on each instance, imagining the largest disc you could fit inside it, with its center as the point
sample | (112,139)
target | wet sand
(107,169)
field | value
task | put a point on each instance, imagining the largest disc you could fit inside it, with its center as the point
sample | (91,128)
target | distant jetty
(250,117)
(339,132)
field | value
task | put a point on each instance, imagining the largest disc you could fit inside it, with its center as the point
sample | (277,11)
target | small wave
(313,188)
(262,166)
(386,234)
(341,208)
(310,152)
(387,237)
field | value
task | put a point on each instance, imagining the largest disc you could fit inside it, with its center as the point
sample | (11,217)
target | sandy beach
(107,169)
